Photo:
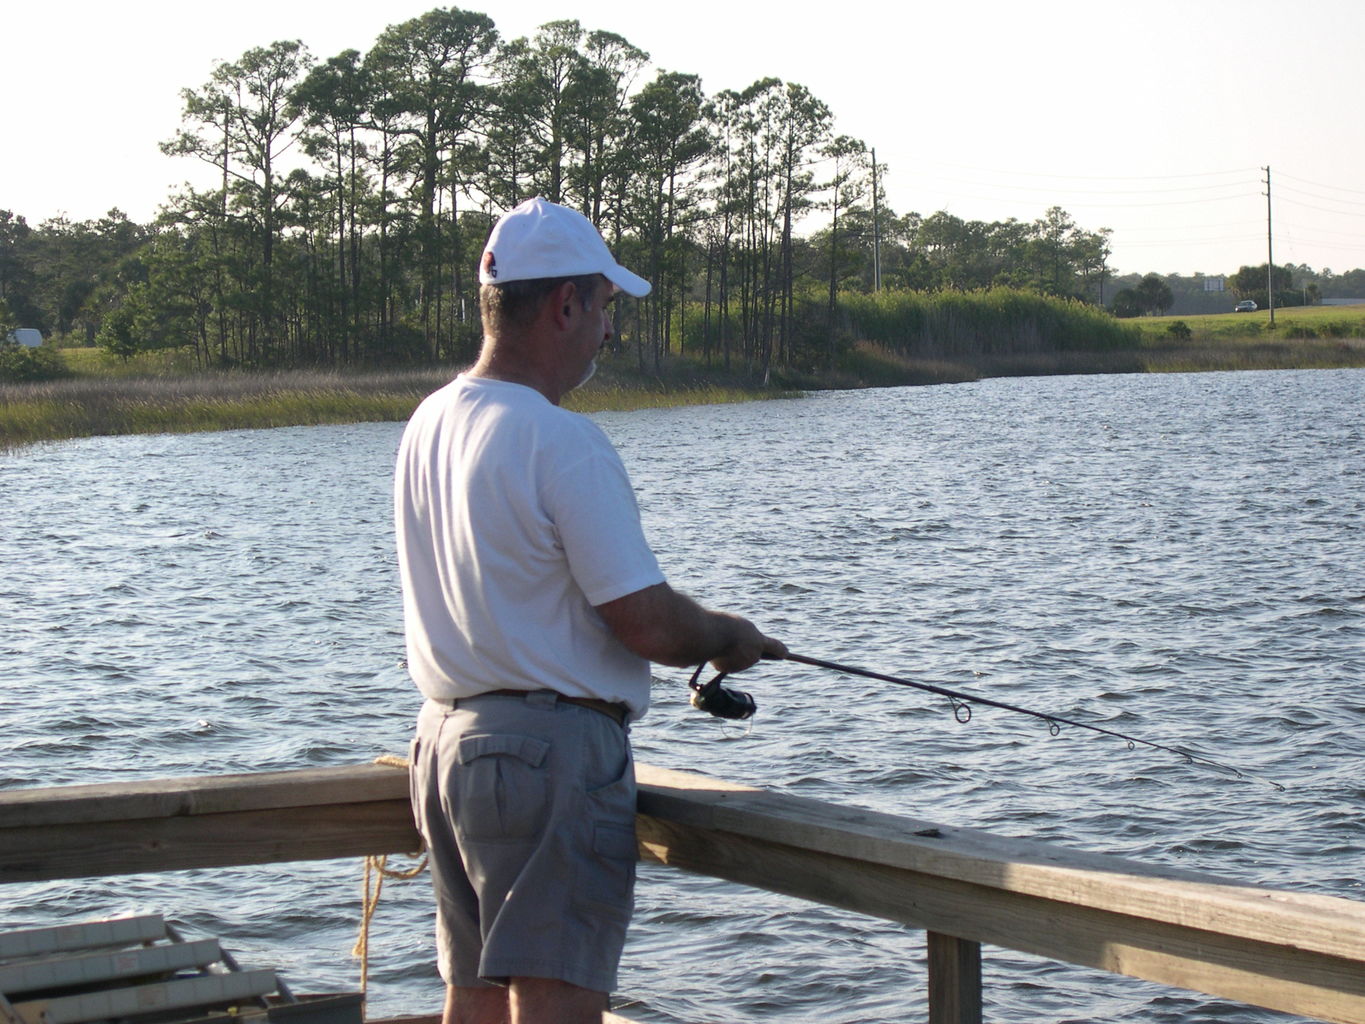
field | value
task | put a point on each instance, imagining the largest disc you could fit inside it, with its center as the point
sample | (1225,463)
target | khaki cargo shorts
(527,806)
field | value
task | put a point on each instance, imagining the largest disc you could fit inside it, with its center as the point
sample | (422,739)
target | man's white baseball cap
(542,239)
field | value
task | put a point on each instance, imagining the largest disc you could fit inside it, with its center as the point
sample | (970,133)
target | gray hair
(514,304)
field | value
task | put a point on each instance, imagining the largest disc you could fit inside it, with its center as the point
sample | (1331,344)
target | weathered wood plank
(105,966)
(954,980)
(65,938)
(201,991)
(272,835)
(1277,976)
(1321,923)
(200,794)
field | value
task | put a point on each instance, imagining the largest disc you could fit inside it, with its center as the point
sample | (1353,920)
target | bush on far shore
(21,364)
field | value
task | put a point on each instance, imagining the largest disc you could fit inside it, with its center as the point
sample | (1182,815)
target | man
(533,606)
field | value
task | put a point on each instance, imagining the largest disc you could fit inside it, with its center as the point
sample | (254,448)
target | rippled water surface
(1176,557)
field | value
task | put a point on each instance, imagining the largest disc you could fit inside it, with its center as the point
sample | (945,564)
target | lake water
(1177,557)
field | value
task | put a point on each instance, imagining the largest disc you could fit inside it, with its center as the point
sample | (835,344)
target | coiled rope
(376,870)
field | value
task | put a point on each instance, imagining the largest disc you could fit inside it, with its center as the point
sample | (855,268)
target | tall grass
(871,365)
(125,404)
(89,406)
(163,362)
(1252,354)
(1001,322)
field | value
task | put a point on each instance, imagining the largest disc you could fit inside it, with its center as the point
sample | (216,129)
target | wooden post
(954,980)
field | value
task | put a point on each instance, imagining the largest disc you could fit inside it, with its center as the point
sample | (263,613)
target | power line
(1093,192)
(1082,177)
(1325,199)
(1323,209)
(1319,184)
(1003,201)
(1168,242)
(1303,243)
(1020,195)
(1204,224)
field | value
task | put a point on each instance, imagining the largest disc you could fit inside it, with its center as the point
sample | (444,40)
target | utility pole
(876,228)
(1269,251)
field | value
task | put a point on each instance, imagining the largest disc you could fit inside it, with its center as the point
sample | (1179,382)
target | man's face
(592,330)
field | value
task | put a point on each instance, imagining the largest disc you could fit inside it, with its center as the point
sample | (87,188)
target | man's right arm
(663,625)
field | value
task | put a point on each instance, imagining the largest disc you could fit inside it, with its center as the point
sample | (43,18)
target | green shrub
(20,364)
(998,322)
(1180,331)
(1338,329)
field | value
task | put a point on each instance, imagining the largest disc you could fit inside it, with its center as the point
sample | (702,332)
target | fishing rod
(724,702)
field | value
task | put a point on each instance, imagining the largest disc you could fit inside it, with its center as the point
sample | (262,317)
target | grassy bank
(161,392)
(872,366)
(1303,338)
(157,393)
(1295,323)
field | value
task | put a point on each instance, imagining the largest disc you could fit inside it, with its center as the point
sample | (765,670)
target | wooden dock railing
(1295,952)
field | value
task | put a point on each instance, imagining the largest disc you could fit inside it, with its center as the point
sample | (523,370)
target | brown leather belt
(616,712)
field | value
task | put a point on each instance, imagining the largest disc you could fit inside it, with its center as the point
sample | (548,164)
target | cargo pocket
(606,886)
(501,793)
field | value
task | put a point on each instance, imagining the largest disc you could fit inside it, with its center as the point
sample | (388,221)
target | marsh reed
(104,405)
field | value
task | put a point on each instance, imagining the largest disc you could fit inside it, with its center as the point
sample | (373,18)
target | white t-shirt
(514,518)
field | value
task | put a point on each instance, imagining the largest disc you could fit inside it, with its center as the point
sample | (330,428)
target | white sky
(1154,119)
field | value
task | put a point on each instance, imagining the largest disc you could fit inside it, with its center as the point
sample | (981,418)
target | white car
(29,337)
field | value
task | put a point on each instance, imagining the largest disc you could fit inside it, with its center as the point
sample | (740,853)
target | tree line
(351,195)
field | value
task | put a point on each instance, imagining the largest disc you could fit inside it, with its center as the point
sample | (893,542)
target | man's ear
(561,303)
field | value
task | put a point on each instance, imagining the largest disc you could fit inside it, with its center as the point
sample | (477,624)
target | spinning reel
(718,700)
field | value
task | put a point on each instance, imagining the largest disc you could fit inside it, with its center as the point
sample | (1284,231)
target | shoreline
(118,398)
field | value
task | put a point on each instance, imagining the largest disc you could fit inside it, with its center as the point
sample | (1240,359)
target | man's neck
(493,366)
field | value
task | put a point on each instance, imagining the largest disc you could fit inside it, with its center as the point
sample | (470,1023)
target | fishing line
(727,703)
